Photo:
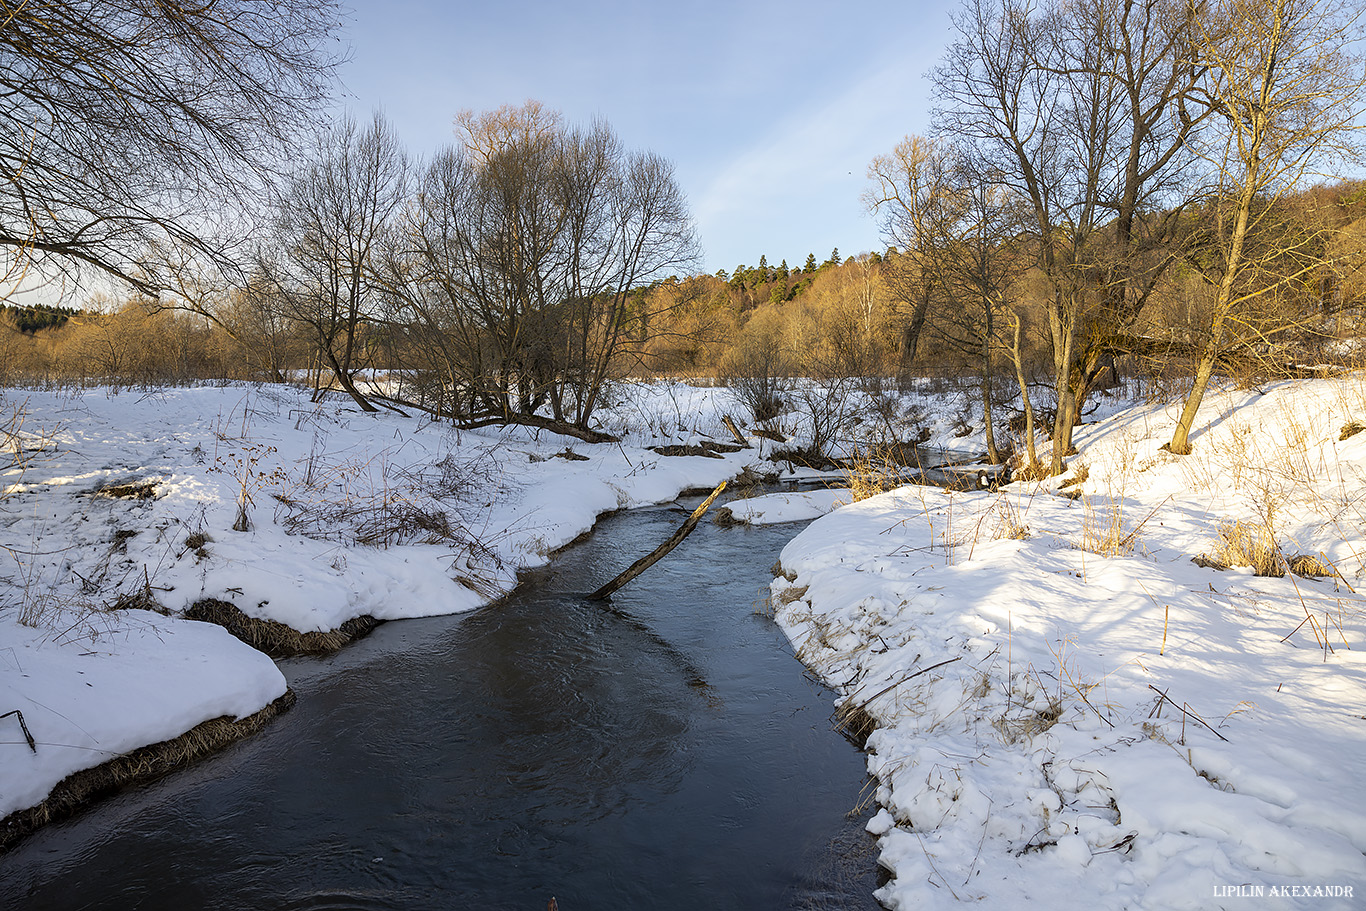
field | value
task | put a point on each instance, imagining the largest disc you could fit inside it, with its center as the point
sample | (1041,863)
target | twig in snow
(1186,710)
(27,736)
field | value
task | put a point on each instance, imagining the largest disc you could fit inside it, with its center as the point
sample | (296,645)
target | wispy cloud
(800,183)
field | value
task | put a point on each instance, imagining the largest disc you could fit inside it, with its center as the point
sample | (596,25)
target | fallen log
(734,431)
(653,556)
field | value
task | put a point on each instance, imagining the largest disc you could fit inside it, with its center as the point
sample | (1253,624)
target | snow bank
(1072,714)
(116,496)
(777,508)
(94,687)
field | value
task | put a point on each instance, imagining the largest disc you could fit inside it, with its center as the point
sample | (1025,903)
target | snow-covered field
(1071,713)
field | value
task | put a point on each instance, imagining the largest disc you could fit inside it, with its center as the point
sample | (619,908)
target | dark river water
(663,752)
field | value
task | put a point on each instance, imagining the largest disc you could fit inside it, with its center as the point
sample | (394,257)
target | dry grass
(725,518)
(1312,566)
(1102,529)
(1245,544)
(1010,524)
(132,490)
(276,639)
(871,473)
(1030,721)
(1081,472)
(855,722)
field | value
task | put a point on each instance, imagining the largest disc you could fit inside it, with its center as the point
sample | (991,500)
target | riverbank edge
(83,789)
(275,639)
(272,638)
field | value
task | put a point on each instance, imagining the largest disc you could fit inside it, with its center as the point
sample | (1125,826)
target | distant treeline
(40,316)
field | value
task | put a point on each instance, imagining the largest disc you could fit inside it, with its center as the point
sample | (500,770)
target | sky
(769,111)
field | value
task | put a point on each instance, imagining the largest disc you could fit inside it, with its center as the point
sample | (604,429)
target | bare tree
(331,219)
(1081,108)
(128,123)
(962,215)
(907,186)
(521,259)
(1286,85)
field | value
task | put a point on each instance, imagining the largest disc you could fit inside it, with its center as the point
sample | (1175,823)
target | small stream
(665,752)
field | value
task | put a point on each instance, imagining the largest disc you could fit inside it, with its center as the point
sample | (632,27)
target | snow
(1081,719)
(1071,713)
(93,682)
(777,508)
(112,684)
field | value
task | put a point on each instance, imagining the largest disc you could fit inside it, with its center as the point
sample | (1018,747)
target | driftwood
(653,556)
(734,431)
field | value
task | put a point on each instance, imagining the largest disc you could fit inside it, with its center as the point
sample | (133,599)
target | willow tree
(1286,83)
(518,265)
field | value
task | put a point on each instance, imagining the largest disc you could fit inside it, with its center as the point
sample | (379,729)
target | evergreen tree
(810,264)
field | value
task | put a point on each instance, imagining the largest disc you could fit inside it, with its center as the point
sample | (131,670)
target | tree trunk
(1064,334)
(653,556)
(1180,441)
(993,454)
(1032,466)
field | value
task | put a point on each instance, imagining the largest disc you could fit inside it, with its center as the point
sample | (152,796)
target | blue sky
(770,111)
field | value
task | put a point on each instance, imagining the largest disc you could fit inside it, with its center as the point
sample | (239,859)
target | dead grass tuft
(1029,723)
(1102,530)
(1245,544)
(725,518)
(854,722)
(274,638)
(1080,472)
(872,473)
(1311,566)
(1010,524)
(132,490)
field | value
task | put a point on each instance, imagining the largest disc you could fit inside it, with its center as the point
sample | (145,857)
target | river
(665,751)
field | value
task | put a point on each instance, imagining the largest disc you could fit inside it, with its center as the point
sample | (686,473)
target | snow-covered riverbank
(130,498)
(1073,714)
